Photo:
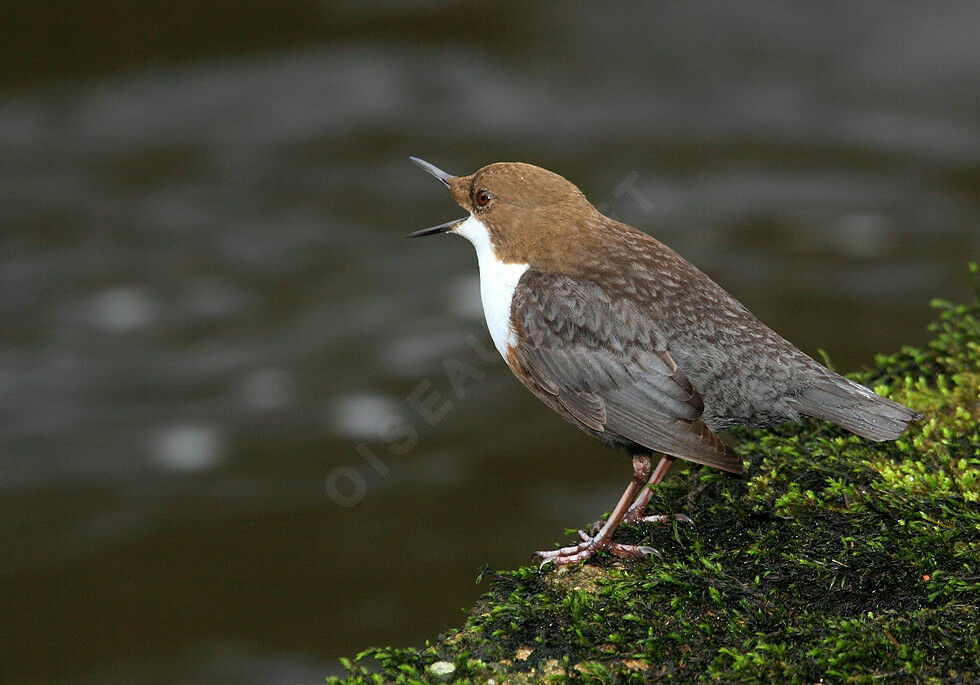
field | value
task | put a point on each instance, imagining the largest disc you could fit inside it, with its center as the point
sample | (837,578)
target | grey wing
(600,364)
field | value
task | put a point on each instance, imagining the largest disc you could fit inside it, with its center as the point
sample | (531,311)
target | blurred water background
(246,428)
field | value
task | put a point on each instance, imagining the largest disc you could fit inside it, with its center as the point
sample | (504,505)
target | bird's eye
(482,198)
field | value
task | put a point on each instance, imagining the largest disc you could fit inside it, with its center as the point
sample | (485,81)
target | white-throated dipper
(630,342)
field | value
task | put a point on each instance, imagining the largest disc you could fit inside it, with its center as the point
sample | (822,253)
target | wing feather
(601,365)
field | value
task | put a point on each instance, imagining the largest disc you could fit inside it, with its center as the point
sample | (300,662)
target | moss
(832,559)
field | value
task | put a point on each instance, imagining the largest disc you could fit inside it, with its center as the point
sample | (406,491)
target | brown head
(532,216)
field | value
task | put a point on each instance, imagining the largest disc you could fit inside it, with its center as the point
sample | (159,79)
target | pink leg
(603,539)
(635,512)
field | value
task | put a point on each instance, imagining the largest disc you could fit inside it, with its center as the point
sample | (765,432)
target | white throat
(497,283)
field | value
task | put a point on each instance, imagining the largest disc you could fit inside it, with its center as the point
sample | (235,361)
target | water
(245,428)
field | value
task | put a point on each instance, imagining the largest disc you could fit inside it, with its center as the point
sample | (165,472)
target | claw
(629,509)
(589,546)
(572,553)
(664,518)
(633,551)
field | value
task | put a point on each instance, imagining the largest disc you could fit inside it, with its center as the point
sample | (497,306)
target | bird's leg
(603,539)
(635,512)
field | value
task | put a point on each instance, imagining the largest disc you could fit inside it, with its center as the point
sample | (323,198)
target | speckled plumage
(642,292)
(603,367)
(632,343)
(600,298)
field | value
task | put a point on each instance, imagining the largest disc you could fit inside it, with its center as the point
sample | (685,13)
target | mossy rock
(832,559)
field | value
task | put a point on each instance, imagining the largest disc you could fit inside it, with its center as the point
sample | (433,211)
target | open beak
(433,169)
(444,177)
(441,228)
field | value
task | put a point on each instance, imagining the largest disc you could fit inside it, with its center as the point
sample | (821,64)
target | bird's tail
(854,407)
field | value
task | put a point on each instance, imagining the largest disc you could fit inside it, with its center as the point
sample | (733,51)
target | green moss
(832,558)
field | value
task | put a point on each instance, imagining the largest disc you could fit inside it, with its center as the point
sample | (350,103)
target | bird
(630,342)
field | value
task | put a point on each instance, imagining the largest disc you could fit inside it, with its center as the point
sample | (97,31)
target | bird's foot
(590,545)
(636,517)
(663,518)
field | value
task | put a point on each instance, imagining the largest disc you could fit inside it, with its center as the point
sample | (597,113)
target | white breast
(497,283)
